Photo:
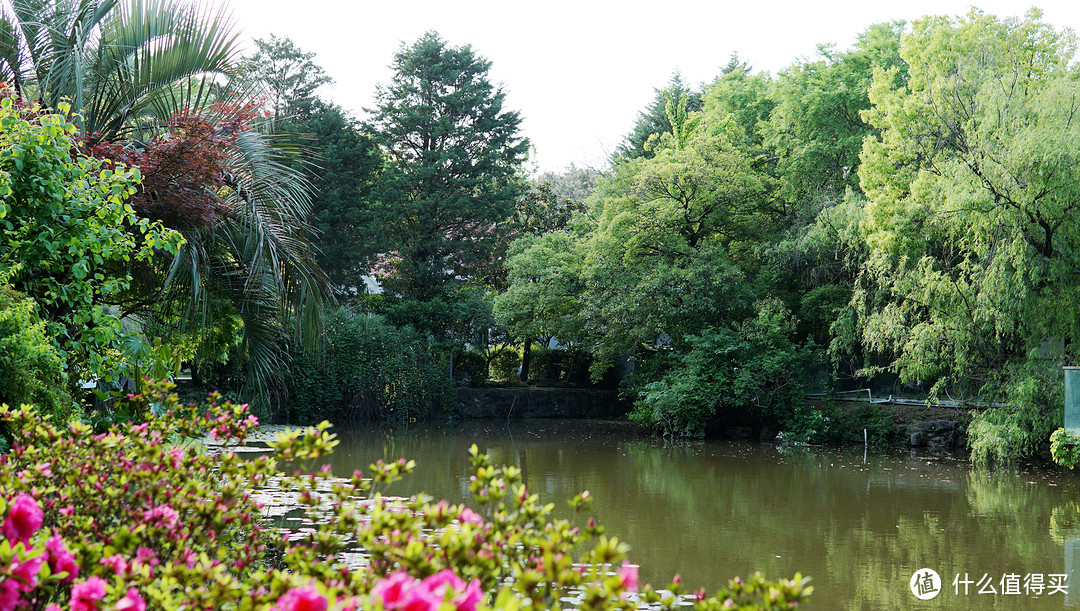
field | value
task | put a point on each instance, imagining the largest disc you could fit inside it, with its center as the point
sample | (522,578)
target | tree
(287,75)
(654,120)
(454,156)
(972,217)
(816,129)
(115,62)
(347,170)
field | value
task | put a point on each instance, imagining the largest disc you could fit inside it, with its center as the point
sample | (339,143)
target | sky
(580,71)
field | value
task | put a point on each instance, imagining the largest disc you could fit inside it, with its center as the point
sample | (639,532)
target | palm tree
(127,67)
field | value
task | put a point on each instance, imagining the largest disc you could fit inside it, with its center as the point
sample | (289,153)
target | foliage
(119,65)
(811,425)
(68,237)
(153,75)
(542,298)
(369,369)
(971,203)
(747,373)
(287,76)
(470,367)
(816,129)
(453,154)
(504,367)
(348,166)
(31,368)
(112,536)
(655,121)
(1065,448)
(558,365)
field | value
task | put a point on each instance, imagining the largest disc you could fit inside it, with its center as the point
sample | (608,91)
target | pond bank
(533,402)
(915,425)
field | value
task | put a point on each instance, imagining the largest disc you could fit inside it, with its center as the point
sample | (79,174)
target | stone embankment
(539,403)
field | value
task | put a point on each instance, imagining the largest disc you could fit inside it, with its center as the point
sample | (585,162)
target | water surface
(712,510)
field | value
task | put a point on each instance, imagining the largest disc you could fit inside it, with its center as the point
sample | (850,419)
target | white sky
(580,71)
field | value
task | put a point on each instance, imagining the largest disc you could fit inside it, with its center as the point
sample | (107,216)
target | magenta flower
(27,571)
(145,555)
(164,515)
(467,600)
(131,602)
(60,559)
(117,563)
(421,598)
(86,595)
(9,594)
(391,591)
(24,519)
(442,581)
(629,576)
(303,598)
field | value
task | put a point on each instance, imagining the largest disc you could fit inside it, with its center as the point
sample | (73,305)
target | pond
(859,524)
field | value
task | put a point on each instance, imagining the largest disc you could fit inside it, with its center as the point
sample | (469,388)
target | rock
(936,434)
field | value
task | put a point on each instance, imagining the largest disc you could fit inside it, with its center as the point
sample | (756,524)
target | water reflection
(711,510)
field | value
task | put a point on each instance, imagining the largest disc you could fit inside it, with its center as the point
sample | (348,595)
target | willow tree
(972,218)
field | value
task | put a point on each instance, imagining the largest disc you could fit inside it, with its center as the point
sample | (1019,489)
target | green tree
(286,75)
(750,372)
(659,254)
(31,366)
(348,167)
(816,129)
(544,287)
(115,62)
(972,213)
(454,154)
(654,120)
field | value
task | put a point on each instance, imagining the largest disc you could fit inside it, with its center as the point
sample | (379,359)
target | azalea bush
(140,517)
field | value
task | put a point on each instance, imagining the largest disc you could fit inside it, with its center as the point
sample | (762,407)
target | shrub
(31,368)
(369,370)
(125,520)
(470,367)
(505,366)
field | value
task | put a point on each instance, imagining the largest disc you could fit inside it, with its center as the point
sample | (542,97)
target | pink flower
(468,515)
(467,600)
(86,595)
(442,581)
(145,555)
(421,598)
(60,559)
(24,519)
(164,515)
(131,602)
(27,571)
(303,598)
(391,591)
(629,576)
(117,563)
(9,594)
